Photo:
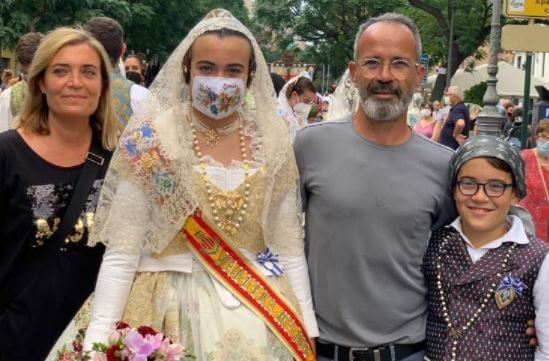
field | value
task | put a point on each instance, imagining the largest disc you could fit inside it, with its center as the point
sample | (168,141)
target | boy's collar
(515,234)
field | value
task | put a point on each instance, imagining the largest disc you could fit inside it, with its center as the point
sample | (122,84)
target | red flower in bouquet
(146,330)
(113,353)
(125,344)
(120,325)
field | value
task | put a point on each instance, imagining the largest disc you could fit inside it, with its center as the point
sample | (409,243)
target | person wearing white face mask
(426,125)
(200,212)
(295,102)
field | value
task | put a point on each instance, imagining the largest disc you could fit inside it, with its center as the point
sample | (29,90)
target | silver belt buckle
(376,352)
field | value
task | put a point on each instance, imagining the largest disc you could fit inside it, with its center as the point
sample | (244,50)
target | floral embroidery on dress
(234,346)
(144,153)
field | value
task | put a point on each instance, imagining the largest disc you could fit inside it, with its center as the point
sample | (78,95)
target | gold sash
(245,282)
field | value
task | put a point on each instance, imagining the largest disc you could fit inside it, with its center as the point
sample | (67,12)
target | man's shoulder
(322,129)
(460,107)
(433,148)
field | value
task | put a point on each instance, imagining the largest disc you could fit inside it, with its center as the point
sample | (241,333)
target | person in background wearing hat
(486,276)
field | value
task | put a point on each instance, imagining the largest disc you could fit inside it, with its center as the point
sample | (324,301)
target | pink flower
(99,356)
(172,352)
(141,347)
(65,356)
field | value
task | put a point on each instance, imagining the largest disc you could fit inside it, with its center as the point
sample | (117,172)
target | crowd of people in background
(239,218)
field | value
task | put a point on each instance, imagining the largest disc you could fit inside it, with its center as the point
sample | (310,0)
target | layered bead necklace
(228,208)
(456,331)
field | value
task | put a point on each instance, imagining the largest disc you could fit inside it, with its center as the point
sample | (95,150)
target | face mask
(302,110)
(426,112)
(447,100)
(543,147)
(134,76)
(217,97)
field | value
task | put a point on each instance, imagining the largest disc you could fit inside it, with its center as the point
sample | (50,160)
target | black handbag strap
(95,159)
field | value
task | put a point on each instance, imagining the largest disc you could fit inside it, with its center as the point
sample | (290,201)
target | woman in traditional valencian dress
(200,210)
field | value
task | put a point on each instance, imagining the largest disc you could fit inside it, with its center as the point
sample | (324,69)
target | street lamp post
(489,120)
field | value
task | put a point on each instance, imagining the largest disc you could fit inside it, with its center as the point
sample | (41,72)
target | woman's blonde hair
(34,117)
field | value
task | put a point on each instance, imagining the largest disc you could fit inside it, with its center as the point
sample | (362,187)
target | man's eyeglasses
(400,68)
(469,187)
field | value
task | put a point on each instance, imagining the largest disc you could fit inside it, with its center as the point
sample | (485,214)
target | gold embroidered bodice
(250,234)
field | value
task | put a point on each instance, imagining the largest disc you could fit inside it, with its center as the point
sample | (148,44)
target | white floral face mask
(217,97)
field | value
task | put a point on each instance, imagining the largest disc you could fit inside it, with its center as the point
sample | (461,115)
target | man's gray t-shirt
(369,212)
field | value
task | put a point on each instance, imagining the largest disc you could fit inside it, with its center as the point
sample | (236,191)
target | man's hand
(531,332)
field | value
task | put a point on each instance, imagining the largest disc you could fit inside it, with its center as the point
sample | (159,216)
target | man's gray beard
(384,110)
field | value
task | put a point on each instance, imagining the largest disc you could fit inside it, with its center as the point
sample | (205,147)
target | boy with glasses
(486,276)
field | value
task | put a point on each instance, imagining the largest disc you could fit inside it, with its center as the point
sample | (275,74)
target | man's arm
(436,130)
(460,138)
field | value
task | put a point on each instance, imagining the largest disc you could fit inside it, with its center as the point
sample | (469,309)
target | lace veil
(345,99)
(148,191)
(284,109)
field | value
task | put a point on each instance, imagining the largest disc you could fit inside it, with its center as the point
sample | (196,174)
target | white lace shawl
(155,154)
(345,99)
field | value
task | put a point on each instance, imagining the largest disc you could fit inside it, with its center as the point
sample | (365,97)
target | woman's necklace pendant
(212,137)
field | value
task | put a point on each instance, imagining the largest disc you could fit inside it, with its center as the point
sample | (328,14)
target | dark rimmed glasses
(495,188)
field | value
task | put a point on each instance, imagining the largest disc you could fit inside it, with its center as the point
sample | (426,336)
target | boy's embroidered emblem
(508,290)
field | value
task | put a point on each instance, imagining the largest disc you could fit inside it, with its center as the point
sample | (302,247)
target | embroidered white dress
(173,293)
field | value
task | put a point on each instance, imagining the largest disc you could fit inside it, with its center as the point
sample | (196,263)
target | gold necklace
(213,135)
(457,331)
(228,208)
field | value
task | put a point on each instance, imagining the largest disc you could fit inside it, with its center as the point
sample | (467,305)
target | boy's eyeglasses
(469,187)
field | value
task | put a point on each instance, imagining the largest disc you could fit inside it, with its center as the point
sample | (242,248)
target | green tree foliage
(475,94)
(157,26)
(18,17)
(472,27)
(152,27)
(327,27)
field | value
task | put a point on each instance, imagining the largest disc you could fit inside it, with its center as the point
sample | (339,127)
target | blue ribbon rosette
(510,283)
(269,261)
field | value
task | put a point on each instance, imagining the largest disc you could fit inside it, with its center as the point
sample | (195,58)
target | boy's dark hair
(26,47)
(503,166)
(221,33)
(109,33)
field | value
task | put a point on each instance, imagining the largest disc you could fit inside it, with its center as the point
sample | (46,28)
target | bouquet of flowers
(126,343)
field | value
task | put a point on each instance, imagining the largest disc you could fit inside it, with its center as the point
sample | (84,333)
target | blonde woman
(51,169)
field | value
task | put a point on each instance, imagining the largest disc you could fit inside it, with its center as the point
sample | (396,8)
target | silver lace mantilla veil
(158,139)
(345,99)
